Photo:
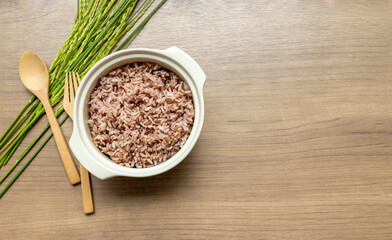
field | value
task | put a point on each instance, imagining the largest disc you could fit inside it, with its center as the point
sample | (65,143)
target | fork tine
(75,82)
(71,92)
(66,89)
(77,75)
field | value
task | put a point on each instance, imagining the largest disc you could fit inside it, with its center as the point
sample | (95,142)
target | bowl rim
(113,61)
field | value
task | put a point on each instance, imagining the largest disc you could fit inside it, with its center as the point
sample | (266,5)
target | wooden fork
(71,85)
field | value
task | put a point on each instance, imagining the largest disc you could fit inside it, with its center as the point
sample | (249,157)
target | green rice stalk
(112,41)
(28,162)
(14,122)
(16,126)
(32,144)
(132,36)
(39,111)
(111,26)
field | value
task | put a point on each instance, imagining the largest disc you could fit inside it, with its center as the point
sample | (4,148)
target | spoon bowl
(33,72)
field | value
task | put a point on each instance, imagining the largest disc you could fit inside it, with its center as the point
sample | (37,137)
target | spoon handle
(62,145)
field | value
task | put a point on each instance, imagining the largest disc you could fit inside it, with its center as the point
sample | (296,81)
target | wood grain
(296,142)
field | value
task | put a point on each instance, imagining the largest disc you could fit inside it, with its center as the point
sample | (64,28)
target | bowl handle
(83,157)
(189,63)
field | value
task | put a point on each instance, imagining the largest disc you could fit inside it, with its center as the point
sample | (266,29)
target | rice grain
(140,114)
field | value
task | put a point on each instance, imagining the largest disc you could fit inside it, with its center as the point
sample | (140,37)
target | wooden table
(296,142)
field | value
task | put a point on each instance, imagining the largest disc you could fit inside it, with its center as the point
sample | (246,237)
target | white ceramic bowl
(81,143)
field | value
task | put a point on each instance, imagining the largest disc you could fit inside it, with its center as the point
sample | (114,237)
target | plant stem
(132,36)
(98,27)
(5,134)
(25,152)
(27,163)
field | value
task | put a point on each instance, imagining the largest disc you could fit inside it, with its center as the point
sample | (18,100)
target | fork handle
(62,145)
(88,205)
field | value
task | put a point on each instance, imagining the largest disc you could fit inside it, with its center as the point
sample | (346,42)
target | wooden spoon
(35,77)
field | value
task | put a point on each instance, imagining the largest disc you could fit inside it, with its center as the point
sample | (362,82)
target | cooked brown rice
(140,114)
